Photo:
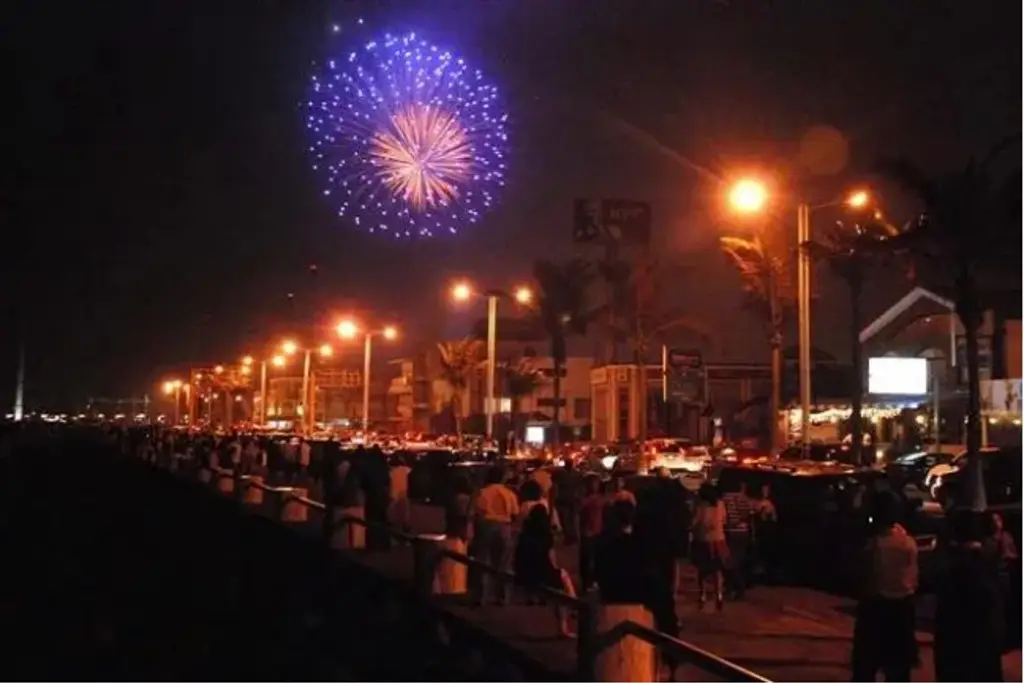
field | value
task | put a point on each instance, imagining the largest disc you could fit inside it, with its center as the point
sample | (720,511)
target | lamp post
(347,329)
(290,348)
(751,196)
(173,388)
(463,291)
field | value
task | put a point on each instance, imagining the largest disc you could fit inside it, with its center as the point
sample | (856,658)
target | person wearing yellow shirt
(496,508)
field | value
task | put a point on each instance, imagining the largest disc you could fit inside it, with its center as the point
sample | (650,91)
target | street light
(348,329)
(290,348)
(173,387)
(748,196)
(751,196)
(463,291)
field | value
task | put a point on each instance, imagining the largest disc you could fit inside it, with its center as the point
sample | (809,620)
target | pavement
(784,633)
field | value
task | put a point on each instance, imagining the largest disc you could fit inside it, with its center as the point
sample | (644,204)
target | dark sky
(158,207)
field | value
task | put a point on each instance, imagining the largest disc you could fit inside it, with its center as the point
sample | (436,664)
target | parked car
(1001,473)
(824,514)
(919,468)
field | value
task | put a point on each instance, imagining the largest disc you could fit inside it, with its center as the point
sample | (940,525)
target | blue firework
(409,139)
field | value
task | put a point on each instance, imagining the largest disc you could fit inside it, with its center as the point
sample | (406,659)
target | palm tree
(958,241)
(563,310)
(459,362)
(766,271)
(522,379)
(850,252)
(644,315)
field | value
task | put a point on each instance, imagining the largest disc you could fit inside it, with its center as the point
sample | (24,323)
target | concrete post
(347,535)
(630,658)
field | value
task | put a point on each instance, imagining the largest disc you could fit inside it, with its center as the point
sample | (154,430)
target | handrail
(589,646)
(694,655)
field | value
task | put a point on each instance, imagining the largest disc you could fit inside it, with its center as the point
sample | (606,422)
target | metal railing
(589,644)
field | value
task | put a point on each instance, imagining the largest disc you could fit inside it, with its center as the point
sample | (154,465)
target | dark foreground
(118,572)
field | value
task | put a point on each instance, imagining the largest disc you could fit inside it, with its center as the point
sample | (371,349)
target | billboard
(621,221)
(898,376)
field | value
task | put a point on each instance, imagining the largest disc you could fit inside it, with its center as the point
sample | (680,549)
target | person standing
(591,525)
(739,511)
(709,551)
(535,564)
(884,636)
(969,607)
(496,508)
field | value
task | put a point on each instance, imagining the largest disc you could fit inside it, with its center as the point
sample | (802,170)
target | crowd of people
(631,544)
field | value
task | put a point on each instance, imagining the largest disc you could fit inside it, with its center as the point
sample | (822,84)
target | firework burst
(409,139)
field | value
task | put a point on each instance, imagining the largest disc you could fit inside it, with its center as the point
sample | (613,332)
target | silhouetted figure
(969,619)
(884,636)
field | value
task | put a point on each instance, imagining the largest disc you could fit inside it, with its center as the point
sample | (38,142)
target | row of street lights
(747,196)
(347,330)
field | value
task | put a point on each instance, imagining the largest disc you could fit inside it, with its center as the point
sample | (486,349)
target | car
(680,455)
(918,468)
(823,518)
(819,452)
(1001,473)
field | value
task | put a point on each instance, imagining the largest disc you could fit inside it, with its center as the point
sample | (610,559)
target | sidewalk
(784,633)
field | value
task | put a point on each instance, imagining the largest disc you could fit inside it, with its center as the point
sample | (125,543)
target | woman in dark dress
(534,562)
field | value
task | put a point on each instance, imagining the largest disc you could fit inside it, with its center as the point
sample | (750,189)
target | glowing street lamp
(859,199)
(247,361)
(289,348)
(748,196)
(461,292)
(348,329)
(523,295)
(173,388)
(279,361)
(751,196)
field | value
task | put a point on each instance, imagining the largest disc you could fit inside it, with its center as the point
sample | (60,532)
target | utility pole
(19,391)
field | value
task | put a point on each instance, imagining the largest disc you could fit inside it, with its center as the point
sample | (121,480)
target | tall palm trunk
(640,387)
(856,284)
(556,390)
(456,407)
(513,416)
(775,404)
(969,311)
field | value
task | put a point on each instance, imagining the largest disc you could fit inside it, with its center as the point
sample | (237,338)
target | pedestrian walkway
(783,633)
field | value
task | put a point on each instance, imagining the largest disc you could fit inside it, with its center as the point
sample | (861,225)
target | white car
(933,480)
(677,457)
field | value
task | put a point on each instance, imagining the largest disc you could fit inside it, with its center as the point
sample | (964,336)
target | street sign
(622,221)
(685,375)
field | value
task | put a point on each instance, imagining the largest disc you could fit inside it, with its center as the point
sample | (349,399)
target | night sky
(159,206)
